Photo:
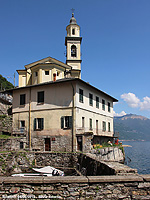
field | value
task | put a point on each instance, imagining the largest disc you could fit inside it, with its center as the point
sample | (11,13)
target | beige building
(55,109)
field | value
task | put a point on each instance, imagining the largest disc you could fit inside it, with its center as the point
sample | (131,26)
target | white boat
(44,171)
(49,170)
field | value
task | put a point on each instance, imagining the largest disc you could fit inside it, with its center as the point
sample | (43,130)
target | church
(55,110)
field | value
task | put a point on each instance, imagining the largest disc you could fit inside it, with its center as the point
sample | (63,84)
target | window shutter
(70,121)
(62,122)
(42,123)
(34,124)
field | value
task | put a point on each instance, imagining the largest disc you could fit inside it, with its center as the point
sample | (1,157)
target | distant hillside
(132,127)
(4,84)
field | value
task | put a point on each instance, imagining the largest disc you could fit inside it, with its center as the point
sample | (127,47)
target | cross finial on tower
(72,12)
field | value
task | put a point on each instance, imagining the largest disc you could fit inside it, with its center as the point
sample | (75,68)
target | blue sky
(115,45)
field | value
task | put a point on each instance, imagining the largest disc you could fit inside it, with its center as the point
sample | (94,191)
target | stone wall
(21,162)
(85,164)
(12,144)
(109,154)
(75,188)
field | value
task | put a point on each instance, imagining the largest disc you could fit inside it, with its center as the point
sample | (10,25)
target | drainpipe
(30,119)
(73,116)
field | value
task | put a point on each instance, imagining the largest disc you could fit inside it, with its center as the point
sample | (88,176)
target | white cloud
(131,100)
(119,114)
(145,105)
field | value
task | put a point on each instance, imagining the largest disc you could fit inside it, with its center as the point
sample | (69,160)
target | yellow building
(55,109)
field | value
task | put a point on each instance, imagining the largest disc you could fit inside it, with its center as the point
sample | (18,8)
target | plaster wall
(91,112)
(55,96)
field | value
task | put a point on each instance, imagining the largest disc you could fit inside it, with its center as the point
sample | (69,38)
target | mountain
(4,84)
(132,127)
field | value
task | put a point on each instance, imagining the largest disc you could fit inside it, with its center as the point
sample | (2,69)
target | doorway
(79,143)
(47,144)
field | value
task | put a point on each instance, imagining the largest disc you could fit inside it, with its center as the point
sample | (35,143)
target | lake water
(138,156)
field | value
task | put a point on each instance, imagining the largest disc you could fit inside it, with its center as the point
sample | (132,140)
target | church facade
(55,110)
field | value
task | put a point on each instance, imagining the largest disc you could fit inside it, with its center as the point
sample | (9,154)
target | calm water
(139,154)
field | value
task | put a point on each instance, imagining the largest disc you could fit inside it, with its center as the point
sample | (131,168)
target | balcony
(20,132)
(94,131)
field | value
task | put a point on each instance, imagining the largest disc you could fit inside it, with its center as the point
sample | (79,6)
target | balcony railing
(96,132)
(116,134)
(19,131)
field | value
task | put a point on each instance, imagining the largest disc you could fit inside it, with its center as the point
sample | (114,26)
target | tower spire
(73,46)
(73,12)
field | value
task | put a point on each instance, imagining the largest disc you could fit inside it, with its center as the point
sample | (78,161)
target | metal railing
(19,131)
(95,131)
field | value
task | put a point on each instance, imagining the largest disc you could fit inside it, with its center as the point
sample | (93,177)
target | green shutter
(62,122)
(42,123)
(34,124)
(70,122)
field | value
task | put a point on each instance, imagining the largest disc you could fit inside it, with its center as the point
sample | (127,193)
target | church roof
(48,60)
(73,20)
(66,80)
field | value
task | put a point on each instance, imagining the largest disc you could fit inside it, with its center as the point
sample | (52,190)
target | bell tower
(73,47)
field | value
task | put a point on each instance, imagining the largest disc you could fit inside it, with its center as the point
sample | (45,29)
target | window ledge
(40,103)
(22,106)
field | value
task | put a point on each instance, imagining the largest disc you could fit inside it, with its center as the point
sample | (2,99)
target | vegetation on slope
(4,84)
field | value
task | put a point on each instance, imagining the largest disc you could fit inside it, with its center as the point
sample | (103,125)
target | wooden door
(47,144)
(79,143)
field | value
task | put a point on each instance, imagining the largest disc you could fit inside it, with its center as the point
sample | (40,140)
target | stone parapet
(70,187)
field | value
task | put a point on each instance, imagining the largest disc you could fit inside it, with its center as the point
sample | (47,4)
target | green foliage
(2,116)
(106,144)
(5,84)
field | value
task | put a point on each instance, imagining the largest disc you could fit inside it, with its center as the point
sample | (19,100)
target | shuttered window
(90,124)
(40,97)
(108,107)
(103,104)
(66,122)
(38,123)
(22,99)
(97,102)
(90,99)
(108,126)
(80,95)
(104,126)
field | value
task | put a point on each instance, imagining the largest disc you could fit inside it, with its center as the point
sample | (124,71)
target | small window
(66,122)
(103,104)
(108,107)
(36,73)
(22,99)
(83,122)
(38,123)
(40,97)
(73,51)
(108,126)
(73,31)
(90,124)
(97,102)
(22,124)
(80,95)
(97,126)
(90,99)
(104,126)
(46,72)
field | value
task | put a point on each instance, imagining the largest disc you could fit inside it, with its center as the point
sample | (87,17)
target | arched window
(73,31)
(73,51)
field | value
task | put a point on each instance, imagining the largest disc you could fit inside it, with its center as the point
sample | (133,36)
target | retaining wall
(71,188)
